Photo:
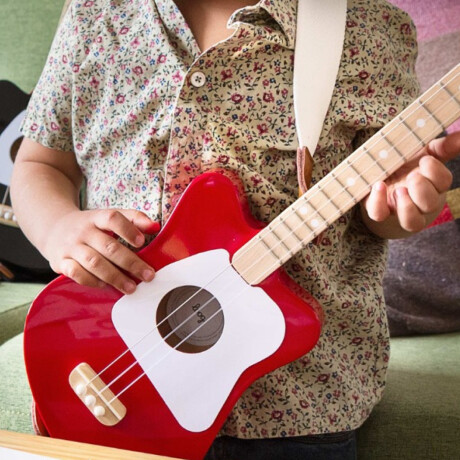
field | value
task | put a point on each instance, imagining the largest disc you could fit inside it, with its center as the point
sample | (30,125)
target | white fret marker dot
(303,210)
(351,181)
(315,223)
(383,154)
(421,122)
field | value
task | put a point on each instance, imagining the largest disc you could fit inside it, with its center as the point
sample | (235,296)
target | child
(138,97)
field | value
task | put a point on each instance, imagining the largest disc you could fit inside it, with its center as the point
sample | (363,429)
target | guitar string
(280,242)
(338,213)
(5,195)
(6,212)
(246,250)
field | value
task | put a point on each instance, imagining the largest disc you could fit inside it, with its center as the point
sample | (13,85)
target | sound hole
(190,319)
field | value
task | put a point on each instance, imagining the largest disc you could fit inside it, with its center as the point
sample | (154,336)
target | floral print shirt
(127,89)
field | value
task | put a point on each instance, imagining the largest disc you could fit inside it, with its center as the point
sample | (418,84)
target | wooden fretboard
(351,181)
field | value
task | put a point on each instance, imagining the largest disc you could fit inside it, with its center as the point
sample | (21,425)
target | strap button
(198,79)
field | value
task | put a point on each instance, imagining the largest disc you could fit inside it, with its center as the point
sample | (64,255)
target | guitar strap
(318,50)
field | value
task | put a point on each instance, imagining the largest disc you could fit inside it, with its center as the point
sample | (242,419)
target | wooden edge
(6,272)
(69,450)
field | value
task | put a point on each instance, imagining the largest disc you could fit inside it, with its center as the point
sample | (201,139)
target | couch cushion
(15,396)
(419,416)
(15,299)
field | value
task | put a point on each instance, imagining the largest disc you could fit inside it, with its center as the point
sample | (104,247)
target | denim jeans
(335,446)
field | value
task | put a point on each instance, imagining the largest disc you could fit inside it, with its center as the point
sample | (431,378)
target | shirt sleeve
(49,113)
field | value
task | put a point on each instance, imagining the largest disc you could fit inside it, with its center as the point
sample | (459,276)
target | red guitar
(159,371)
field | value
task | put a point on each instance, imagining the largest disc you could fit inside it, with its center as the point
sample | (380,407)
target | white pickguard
(196,385)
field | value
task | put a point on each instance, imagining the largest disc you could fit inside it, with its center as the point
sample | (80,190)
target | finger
(114,221)
(95,264)
(141,221)
(409,216)
(445,148)
(436,172)
(77,273)
(423,193)
(377,204)
(121,256)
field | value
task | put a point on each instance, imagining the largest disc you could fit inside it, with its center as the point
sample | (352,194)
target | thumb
(445,148)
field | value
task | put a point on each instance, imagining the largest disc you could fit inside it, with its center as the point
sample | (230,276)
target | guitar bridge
(96,396)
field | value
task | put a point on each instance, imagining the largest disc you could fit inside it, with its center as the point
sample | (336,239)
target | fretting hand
(412,197)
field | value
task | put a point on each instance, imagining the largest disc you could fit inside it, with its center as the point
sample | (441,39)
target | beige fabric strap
(319,43)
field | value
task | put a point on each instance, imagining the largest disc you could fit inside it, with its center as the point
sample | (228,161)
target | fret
(364,165)
(358,174)
(292,231)
(315,209)
(442,99)
(254,263)
(297,225)
(424,126)
(313,221)
(283,237)
(391,143)
(273,246)
(302,219)
(342,186)
(445,88)
(410,130)
(294,218)
(451,82)
(345,189)
(432,115)
(329,199)
(383,154)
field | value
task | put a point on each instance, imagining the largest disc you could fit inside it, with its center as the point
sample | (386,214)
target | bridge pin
(90,400)
(99,411)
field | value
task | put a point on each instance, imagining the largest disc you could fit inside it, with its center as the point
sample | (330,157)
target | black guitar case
(19,260)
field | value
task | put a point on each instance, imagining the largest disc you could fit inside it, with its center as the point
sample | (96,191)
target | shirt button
(198,79)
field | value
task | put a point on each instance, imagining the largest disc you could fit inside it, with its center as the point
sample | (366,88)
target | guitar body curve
(69,324)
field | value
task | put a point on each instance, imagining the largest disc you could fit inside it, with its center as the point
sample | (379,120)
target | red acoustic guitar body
(69,324)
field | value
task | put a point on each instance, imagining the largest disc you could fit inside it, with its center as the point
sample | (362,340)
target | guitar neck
(351,181)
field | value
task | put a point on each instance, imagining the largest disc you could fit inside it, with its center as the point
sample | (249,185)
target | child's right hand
(80,245)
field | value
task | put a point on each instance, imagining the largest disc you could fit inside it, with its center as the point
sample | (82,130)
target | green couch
(419,416)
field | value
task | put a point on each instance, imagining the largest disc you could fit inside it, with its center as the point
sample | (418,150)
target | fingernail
(147,275)
(129,287)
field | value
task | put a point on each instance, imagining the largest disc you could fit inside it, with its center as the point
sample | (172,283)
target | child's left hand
(412,197)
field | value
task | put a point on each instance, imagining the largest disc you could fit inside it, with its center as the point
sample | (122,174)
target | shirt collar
(283,12)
